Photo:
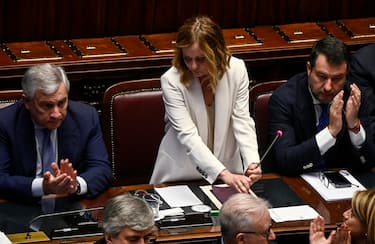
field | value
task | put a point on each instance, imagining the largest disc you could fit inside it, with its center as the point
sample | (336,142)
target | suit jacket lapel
(26,136)
(305,110)
(68,138)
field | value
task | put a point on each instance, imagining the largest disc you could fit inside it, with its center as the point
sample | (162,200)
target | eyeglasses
(266,234)
(323,179)
(326,181)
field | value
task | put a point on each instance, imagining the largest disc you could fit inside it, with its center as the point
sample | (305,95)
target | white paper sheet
(293,213)
(178,196)
(331,193)
(4,239)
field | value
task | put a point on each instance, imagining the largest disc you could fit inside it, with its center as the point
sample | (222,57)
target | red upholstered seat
(133,125)
(259,99)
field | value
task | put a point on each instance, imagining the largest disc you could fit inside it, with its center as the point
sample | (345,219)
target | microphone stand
(279,133)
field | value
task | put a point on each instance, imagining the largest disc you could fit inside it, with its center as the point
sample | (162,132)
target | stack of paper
(331,193)
(178,196)
(293,213)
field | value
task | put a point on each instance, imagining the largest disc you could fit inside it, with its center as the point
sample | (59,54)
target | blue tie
(324,118)
(48,154)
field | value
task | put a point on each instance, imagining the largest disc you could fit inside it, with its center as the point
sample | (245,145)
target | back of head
(241,212)
(126,211)
(209,36)
(334,49)
(363,206)
(44,77)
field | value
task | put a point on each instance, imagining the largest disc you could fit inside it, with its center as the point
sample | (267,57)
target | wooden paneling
(36,20)
(271,52)
(68,30)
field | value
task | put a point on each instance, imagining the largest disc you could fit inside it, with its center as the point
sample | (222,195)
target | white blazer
(183,154)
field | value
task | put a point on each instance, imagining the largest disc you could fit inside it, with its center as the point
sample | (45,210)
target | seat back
(8,97)
(133,126)
(260,95)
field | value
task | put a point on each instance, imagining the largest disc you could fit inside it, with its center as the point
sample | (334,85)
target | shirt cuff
(83,185)
(359,138)
(37,187)
(325,140)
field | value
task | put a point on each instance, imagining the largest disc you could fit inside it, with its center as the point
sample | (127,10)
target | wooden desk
(332,212)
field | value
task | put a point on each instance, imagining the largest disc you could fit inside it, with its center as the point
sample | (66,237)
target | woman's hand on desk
(254,172)
(241,183)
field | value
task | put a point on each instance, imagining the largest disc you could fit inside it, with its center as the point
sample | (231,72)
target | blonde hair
(209,36)
(363,206)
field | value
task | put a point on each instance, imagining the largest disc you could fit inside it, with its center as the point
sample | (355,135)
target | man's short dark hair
(334,49)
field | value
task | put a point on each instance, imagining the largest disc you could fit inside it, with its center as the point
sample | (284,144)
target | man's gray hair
(241,212)
(126,211)
(44,77)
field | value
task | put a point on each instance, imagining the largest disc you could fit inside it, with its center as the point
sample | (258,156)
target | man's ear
(308,68)
(108,238)
(240,238)
(26,101)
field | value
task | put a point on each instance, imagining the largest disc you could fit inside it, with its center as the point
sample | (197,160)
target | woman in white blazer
(209,131)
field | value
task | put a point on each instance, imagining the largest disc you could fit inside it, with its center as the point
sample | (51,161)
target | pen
(88,223)
(66,229)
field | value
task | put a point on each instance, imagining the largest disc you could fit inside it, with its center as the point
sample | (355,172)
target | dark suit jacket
(291,110)
(101,241)
(362,69)
(79,139)
(362,72)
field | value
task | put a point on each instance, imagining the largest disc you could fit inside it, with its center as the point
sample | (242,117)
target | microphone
(279,133)
(81,212)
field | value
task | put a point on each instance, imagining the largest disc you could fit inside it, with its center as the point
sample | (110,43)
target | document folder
(275,191)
